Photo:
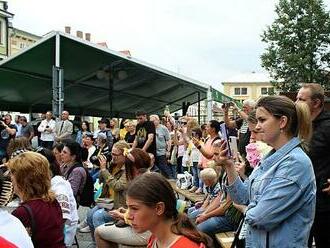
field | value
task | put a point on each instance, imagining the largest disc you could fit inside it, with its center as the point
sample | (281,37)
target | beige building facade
(20,39)
(248,86)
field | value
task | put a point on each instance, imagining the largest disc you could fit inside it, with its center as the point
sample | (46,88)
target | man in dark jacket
(313,95)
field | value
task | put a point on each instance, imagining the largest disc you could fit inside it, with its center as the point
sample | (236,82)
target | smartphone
(224,136)
(232,140)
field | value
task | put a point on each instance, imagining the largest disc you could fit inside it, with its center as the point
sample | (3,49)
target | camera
(95,159)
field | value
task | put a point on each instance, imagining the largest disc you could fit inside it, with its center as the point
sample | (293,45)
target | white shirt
(91,150)
(45,135)
(13,230)
(65,198)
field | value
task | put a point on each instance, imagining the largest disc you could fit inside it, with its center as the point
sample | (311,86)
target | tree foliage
(298,44)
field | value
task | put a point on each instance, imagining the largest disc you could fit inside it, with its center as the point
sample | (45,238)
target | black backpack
(86,196)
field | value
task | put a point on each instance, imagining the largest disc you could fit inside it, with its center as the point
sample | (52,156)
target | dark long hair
(152,188)
(53,165)
(141,162)
(75,149)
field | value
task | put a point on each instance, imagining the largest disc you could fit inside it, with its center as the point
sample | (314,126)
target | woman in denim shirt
(280,192)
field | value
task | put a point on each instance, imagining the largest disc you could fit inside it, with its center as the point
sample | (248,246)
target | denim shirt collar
(274,156)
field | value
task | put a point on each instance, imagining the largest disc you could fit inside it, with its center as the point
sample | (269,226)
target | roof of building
(252,77)
(25,33)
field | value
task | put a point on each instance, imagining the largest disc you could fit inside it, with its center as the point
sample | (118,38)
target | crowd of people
(274,190)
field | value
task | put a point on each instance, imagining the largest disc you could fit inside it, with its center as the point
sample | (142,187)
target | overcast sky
(208,40)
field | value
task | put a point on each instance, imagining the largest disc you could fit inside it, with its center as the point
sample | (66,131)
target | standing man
(63,128)
(47,130)
(26,129)
(313,95)
(7,132)
(145,134)
(163,146)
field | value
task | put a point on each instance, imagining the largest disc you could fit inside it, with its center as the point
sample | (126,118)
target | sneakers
(193,189)
(83,227)
(86,229)
(199,191)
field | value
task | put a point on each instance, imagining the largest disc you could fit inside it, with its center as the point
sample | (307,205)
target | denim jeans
(161,163)
(96,217)
(216,224)
(195,173)
(193,212)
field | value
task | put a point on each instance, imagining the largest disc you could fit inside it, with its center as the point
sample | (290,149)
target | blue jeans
(193,212)
(216,224)
(194,171)
(161,163)
(96,217)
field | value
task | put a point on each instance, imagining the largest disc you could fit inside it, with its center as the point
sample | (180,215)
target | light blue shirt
(280,195)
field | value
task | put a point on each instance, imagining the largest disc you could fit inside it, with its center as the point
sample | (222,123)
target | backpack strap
(71,169)
(32,220)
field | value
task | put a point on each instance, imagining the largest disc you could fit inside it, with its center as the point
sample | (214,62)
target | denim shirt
(280,195)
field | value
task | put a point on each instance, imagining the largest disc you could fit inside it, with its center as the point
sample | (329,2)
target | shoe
(82,224)
(85,229)
(199,191)
(193,189)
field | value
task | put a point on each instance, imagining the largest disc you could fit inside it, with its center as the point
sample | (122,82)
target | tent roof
(26,80)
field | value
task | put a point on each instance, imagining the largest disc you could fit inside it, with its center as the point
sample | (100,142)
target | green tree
(298,44)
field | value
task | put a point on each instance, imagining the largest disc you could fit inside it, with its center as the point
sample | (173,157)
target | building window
(240,91)
(267,90)
(264,91)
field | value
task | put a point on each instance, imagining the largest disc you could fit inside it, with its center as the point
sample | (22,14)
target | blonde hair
(121,145)
(32,175)
(208,173)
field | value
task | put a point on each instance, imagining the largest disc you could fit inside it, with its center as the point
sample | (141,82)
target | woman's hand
(103,162)
(220,154)
(240,165)
(195,141)
(202,217)
(116,214)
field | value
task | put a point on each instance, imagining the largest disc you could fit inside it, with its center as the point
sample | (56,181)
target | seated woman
(72,168)
(12,231)
(114,184)
(39,211)
(64,196)
(136,162)
(152,206)
(211,183)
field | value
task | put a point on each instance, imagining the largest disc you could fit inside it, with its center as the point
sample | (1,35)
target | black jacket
(320,155)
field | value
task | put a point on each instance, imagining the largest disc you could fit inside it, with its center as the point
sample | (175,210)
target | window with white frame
(240,91)
(267,90)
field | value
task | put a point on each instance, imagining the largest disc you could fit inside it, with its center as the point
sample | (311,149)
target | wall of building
(247,90)
(20,39)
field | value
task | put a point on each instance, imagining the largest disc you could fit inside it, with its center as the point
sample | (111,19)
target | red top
(49,223)
(179,243)
(4,243)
